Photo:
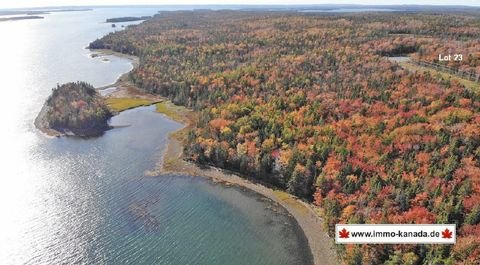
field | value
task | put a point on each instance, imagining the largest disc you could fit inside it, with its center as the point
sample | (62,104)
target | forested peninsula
(310,104)
(74,109)
(126,19)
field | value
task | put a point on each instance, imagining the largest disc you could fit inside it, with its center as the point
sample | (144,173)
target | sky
(41,3)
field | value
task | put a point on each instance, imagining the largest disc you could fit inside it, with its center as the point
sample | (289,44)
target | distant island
(126,19)
(40,11)
(20,18)
(74,109)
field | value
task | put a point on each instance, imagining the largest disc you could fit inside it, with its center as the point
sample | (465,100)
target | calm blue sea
(88,201)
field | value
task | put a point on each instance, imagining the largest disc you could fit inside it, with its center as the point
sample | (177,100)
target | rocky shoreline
(42,124)
(123,89)
(306,215)
(172,161)
(76,109)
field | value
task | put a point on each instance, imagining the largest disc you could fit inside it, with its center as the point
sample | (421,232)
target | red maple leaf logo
(344,233)
(447,233)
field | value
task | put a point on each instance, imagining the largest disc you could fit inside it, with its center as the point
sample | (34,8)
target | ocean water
(88,201)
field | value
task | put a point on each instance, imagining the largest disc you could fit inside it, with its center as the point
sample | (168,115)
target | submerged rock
(74,109)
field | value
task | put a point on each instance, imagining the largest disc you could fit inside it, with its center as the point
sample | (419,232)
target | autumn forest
(313,104)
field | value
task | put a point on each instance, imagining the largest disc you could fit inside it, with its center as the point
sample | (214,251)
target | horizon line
(238,5)
(252,4)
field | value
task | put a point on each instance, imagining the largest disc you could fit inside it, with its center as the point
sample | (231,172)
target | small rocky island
(74,109)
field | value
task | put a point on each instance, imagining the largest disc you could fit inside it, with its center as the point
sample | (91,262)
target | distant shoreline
(126,19)
(39,11)
(20,18)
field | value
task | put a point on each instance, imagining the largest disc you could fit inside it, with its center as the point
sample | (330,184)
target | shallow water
(88,201)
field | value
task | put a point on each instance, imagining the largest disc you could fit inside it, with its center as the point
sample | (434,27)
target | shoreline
(172,161)
(123,89)
(124,92)
(123,78)
(305,214)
